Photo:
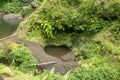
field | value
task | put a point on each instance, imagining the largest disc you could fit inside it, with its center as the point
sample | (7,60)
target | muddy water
(56,51)
(7,27)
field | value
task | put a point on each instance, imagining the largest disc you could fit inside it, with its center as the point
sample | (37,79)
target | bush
(15,6)
(20,57)
(111,12)
(90,50)
(97,71)
(66,17)
(10,8)
(101,73)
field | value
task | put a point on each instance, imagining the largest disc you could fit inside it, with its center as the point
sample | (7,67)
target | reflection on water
(7,27)
(56,51)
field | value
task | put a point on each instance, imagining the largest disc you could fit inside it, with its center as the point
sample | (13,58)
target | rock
(1,13)
(68,57)
(12,17)
(70,65)
(1,78)
(26,7)
(38,51)
(34,4)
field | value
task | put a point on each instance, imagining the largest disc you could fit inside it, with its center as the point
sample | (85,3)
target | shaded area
(56,51)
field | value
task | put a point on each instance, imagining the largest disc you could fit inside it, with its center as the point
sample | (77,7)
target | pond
(7,27)
(57,51)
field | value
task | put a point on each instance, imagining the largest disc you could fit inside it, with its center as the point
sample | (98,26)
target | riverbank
(42,57)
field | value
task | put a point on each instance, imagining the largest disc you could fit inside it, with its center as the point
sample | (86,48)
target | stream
(7,27)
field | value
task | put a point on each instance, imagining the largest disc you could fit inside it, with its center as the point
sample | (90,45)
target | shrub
(96,71)
(20,57)
(15,6)
(66,17)
(8,8)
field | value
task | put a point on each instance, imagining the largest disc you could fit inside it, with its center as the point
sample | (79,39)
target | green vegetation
(17,55)
(14,74)
(87,17)
(97,71)
(91,28)
(16,6)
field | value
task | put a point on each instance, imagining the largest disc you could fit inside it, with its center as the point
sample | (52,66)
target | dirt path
(38,51)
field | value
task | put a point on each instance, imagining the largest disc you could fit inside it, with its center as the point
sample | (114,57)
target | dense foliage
(17,6)
(61,16)
(13,6)
(98,71)
(17,55)
(91,28)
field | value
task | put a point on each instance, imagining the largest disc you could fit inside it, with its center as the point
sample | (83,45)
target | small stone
(12,17)
(34,4)
(26,7)
(68,57)
(1,78)
(1,13)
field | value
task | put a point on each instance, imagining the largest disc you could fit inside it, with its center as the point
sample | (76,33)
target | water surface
(7,27)
(57,51)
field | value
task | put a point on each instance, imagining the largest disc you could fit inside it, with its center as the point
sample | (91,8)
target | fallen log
(40,64)
(45,63)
